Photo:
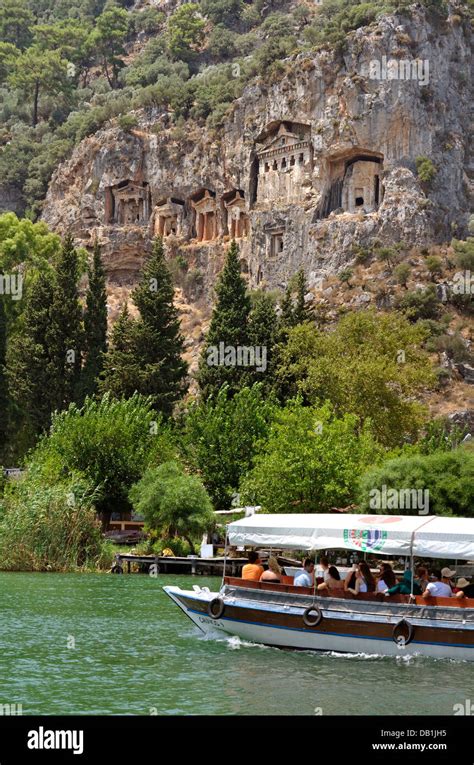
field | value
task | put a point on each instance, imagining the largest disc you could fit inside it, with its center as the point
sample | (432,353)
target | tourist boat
(288,616)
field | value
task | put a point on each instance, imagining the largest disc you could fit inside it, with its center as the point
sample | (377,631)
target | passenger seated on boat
(405,586)
(252,570)
(465,589)
(324,564)
(387,578)
(364,581)
(273,573)
(305,578)
(422,577)
(437,588)
(333,581)
(447,577)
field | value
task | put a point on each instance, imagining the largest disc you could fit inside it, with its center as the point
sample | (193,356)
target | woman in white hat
(466,589)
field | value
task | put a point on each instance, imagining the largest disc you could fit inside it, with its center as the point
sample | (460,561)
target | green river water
(104,644)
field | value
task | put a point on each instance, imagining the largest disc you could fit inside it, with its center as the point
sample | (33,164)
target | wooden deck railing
(286,586)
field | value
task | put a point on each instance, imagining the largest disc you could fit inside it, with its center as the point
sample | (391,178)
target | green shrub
(109,442)
(222,43)
(454,346)
(221,435)
(180,547)
(148,20)
(420,304)
(434,265)
(402,273)
(346,276)
(464,253)
(362,256)
(127,122)
(226,12)
(425,169)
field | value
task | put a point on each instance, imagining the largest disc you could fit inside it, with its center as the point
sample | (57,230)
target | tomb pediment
(127,203)
(282,141)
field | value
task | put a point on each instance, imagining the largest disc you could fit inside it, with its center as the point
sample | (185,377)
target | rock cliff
(306,169)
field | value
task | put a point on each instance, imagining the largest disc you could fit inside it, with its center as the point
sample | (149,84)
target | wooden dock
(156,565)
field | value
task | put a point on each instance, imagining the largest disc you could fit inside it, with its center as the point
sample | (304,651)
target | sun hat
(447,573)
(462,583)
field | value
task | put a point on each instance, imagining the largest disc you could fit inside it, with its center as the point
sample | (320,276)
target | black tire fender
(405,630)
(117,569)
(312,616)
(215,608)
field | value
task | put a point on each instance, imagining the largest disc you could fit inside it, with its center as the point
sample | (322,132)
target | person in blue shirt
(305,578)
(404,587)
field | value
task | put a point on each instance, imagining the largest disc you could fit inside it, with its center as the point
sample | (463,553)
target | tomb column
(199,226)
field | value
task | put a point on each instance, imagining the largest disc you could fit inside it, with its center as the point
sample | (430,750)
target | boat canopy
(425,536)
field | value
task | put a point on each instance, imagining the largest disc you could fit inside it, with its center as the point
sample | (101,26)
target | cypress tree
(157,335)
(121,367)
(286,309)
(263,333)
(228,328)
(95,326)
(29,359)
(303,311)
(4,398)
(64,336)
(146,353)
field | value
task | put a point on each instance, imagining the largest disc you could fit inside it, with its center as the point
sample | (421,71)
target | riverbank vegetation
(106,424)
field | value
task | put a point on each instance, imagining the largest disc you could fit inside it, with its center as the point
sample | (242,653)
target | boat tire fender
(312,616)
(215,608)
(116,569)
(405,630)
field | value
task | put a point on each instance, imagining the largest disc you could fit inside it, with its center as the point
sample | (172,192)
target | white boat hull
(194,604)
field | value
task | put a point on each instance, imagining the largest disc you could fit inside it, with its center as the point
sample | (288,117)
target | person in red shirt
(253,570)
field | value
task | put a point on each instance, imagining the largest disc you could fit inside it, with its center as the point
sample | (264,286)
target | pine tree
(121,367)
(4,398)
(95,326)
(228,328)
(64,336)
(146,353)
(29,359)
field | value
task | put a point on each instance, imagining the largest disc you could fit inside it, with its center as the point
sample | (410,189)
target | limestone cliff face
(303,170)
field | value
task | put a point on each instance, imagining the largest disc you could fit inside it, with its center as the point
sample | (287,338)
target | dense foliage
(108,442)
(311,461)
(221,437)
(146,354)
(173,502)
(448,476)
(51,528)
(371,365)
